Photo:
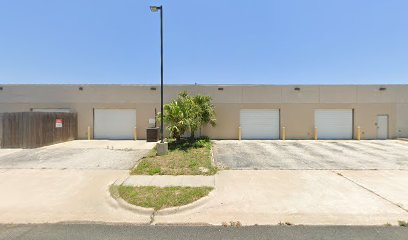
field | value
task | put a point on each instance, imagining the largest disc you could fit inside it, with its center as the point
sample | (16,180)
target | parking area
(320,155)
(79,154)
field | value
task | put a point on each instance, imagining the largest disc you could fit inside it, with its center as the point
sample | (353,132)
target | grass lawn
(158,197)
(186,157)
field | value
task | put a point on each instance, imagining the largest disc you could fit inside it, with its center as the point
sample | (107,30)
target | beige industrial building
(246,111)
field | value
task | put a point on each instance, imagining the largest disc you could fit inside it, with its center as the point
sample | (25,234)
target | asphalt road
(102,232)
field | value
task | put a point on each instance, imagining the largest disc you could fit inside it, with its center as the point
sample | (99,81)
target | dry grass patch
(160,197)
(403,223)
(186,157)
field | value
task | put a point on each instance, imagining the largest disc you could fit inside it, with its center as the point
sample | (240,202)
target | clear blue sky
(206,41)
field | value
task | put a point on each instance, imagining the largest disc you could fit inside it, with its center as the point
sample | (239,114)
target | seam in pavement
(369,190)
(152,217)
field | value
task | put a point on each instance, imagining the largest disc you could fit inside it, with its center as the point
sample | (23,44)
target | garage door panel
(334,123)
(259,123)
(114,123)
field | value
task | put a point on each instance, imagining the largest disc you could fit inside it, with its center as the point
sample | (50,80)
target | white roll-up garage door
(334,123)
(259,123)
(114,123)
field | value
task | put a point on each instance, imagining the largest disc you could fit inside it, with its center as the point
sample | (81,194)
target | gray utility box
(152,134)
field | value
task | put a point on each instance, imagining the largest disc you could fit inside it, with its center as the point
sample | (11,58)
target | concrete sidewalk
(50,196)
(264,197)
(169,181)
(309,197)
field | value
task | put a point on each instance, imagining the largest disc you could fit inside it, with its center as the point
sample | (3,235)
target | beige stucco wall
(296,107)
(298,119)
(402,120)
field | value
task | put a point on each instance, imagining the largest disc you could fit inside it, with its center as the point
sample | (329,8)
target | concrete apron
(50,196)
(307,197)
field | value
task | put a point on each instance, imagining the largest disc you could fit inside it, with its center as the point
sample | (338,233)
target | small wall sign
(152,122)
(58,123)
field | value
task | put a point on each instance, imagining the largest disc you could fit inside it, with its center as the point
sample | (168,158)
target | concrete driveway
(80,154)
(67,181)
(321,155)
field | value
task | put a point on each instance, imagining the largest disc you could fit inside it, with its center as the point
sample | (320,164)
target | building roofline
(206,85)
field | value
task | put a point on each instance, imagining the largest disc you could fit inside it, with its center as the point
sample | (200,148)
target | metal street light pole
(161,74)
(155,9)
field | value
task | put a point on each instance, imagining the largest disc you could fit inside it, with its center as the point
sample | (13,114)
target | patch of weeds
(403,223)
(148,168)
(154,170)
(285,224)
(152,152)
(232,224)
(193,163)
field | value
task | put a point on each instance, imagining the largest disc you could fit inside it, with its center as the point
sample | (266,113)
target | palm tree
(205,112)
(188,113)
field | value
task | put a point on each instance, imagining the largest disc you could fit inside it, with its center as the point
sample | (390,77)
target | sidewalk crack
(371,191)
(152,218)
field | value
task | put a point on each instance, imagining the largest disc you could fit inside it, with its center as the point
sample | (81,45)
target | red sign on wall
(58,123)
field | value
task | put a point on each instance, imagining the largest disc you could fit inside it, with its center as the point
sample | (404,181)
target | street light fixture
(154,8)
(162,147)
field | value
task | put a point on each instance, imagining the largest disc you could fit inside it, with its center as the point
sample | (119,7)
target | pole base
(162,148)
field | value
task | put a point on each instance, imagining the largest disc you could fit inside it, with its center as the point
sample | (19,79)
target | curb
(136,209)
(180,209)
(120,203)
(212,156)
(120,181)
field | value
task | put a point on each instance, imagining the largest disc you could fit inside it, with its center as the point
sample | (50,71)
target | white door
(114,123)
(382,127)
(259,123)
(334,123)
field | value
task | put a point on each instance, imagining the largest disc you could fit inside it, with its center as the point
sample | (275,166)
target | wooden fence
(36,129)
